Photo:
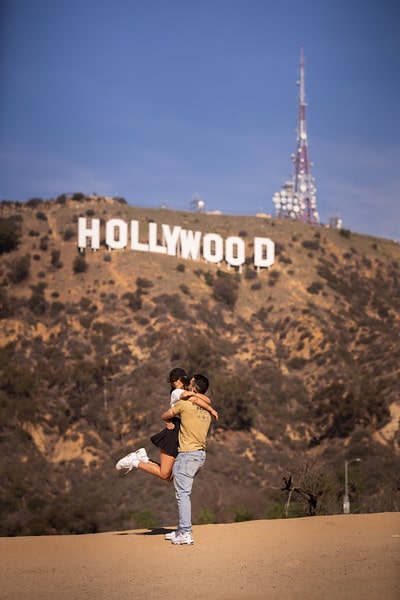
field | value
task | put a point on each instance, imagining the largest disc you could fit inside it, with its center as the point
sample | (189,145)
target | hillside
(303,359)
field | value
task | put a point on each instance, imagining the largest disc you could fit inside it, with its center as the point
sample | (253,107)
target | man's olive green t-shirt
(195,423)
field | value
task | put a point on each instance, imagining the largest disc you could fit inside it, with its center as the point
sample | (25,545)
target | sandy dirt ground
(336,557)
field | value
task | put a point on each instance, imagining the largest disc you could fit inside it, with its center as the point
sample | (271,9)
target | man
(195,423)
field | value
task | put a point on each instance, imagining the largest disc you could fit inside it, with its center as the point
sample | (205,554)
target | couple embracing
(182,445)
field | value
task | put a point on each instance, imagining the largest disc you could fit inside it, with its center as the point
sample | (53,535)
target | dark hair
(178,374)
(201,382)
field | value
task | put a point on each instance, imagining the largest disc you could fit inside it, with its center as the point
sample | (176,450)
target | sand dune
(335,557)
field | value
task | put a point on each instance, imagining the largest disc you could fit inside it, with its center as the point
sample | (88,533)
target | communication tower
(197,203)
(296,199)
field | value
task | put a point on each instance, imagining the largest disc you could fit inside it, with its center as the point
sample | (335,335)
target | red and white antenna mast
(297,200)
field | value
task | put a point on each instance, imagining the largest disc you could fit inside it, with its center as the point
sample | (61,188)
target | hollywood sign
(175,241)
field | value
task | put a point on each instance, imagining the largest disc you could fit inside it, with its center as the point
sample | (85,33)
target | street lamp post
(346,500)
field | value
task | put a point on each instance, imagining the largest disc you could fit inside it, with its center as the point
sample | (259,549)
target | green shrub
(56,307)
(315,287)
(208,278)
(250,273)
(225,290)
(10,235)
(44,243)
(206,516)
(310,244)
(6,306)
(297,362)
(184,289)
(80,265)
(275,511)
(134,300)
(200,356)
(273,278)
(144,519)
(78,197)
(169,303)
(20,385)
(55,259)
(34,202)
(144,283)
(235,402)
(107,330)
(242,514)
(37,302)
(20,268)
(68,235)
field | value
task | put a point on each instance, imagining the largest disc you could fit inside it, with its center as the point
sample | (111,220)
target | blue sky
(160,101)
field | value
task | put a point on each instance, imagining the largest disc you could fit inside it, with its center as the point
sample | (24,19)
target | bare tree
(312,484)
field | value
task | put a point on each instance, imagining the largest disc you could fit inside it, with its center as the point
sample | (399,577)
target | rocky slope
(303,359)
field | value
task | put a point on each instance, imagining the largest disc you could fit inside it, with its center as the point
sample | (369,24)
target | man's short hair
(201,382)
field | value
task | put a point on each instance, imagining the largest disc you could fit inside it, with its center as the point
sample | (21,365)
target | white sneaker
(183,537)
(132,460)
(171,535)
(142,455)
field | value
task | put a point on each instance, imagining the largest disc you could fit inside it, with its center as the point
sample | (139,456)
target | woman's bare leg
(163,471)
